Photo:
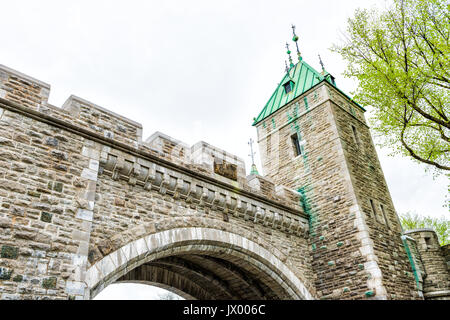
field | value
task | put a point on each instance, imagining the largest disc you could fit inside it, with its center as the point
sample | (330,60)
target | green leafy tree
(440,225)
(401,59)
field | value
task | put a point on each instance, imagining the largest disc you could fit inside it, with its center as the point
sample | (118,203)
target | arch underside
(204,277)
(199,263)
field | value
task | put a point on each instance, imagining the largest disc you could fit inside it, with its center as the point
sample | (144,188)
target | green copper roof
(304,78)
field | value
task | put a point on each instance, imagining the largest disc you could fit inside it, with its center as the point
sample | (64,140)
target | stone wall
(437,279)
(78,184)
(356,254)
(85,201)
(446,254)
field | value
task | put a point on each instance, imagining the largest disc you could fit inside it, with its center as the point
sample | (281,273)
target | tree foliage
(401,59)
(440,225)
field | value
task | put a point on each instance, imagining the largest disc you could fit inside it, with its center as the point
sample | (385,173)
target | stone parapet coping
(95,106)
(24,76)
(435,294)
(419,230)
(139,152)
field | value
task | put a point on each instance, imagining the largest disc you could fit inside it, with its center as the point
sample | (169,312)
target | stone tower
(314,138)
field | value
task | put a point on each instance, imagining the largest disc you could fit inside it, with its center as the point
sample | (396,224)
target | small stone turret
(436,282)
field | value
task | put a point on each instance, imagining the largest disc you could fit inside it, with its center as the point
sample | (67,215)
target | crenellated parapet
(20,88)
(103,121)
(84,199)
(201,173)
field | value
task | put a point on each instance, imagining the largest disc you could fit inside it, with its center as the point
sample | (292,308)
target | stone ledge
(435,294)
(74,98)
(154,177)
(24,76)
(419,230)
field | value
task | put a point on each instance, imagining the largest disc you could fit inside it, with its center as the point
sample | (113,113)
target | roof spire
(295,39)
(321,63)
(254,170)
(289,54)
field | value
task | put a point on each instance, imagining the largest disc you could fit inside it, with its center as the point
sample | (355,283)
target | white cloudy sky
(195,70)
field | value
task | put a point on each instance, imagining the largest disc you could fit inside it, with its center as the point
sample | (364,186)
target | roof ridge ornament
(321,63)
(288,70)
(289,54)
(295,39)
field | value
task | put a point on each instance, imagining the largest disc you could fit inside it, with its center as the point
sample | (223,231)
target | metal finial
(321,63)
(295,39)
(287,68)
(252,154)
(254,170)
(289,54)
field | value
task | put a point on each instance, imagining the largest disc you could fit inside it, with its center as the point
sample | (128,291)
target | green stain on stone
(307,208)
(340,244)
(360,266)
(369,293)
(58,186)
(313,246)
(5,274)
(323,247)
(46,217)
(49,283)
(331,263)
(9,252)
(18,278)
(295,112)
(321,237)
(411,261)
(346,289)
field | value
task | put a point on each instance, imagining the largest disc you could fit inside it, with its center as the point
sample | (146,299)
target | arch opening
(140,290)
(199,263)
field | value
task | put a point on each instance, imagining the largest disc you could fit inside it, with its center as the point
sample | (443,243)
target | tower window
(428,242)
(384,215)
(373,209)
(355,135)
(296,143)
(288,86)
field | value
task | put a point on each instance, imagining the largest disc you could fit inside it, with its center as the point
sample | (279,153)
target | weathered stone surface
(49,283)
(337,194)
(5,274)
(83,200)
(46,217)
(50,141)
(9,252)
(12,186)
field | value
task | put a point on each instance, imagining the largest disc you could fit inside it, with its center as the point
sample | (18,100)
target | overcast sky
(195,70)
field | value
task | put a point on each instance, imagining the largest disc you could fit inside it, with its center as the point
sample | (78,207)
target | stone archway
(204,263)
